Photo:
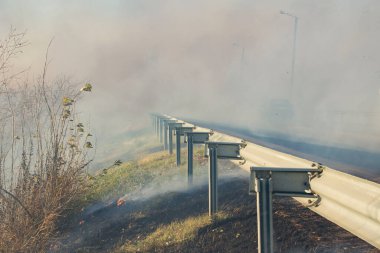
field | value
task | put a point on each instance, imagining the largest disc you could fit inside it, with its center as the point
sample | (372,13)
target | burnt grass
(105,227)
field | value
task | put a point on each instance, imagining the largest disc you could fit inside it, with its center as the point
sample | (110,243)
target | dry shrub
(43,153)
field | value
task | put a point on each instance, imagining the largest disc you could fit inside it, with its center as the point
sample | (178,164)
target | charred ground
(175,220)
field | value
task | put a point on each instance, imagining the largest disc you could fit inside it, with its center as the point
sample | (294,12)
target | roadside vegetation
(113,190)
(109,183)
(44,151)
(159,213)
(116,183)
(118,180)
(173,234)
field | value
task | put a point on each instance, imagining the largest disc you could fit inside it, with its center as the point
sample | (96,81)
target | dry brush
(44,151)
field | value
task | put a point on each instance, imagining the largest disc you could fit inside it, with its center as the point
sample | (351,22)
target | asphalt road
(360,163)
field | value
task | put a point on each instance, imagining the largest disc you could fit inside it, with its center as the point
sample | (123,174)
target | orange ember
(120,202)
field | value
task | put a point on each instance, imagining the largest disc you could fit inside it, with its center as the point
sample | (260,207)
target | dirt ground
(103,227)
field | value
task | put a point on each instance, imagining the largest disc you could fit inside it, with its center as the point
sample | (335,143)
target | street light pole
(294,50)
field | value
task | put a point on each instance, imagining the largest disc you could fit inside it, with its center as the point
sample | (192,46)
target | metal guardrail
(266,182)
(351,202)
(181,131)
(194,138)
(219,150)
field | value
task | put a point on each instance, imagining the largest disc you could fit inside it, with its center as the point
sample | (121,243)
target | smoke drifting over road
(220,61)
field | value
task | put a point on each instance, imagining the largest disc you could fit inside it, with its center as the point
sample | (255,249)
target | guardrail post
(178,146)
(180,131)
(157,125)
(213,181)
(222,150)
(165,136)
(264,213)
(193,138)
(160,128)
(268,181)
(172,126)
(190,159)
(166,123)
(155,122)
(170,133)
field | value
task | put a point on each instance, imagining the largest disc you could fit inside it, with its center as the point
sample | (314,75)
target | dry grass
(28,230)
(172,221)
(43,154)
(134,175)
(128,177)
(176,232)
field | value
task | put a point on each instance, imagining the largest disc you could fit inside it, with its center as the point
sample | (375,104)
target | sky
(220,61)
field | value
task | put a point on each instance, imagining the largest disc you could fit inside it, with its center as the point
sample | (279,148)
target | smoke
(99,217)
(220,61)
(176,183)
(179,184)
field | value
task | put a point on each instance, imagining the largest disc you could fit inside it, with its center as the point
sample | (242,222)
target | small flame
(121,201)
(81,222)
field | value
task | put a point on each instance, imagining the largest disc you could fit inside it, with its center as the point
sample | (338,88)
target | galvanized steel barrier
(351,202)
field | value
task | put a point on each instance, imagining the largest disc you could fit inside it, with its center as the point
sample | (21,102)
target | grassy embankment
(132,176)
(171,220)
(157,170)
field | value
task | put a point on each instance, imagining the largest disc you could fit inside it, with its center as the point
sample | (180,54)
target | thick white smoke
(220,61)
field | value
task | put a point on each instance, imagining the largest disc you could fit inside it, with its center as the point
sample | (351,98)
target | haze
(220,61)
